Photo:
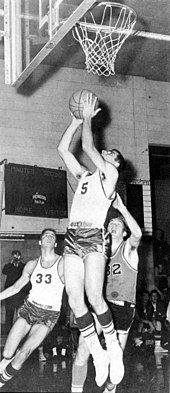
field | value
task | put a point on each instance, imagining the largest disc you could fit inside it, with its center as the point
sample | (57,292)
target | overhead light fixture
(12,236)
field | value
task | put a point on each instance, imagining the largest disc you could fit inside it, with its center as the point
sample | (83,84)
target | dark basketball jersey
(121,277)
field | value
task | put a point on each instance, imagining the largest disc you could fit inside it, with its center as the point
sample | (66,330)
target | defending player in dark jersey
(85,242)
(122,271)
(41,309)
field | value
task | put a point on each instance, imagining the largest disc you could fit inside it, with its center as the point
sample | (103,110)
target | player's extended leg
(95,264)
(9,311)
(80,365)
(111,387)
(16,334)
(74,282)
(36,335)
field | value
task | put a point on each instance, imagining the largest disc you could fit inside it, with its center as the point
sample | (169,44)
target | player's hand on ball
(75,120)
(89,106)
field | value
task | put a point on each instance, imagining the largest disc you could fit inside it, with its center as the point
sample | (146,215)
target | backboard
(32,29)
(35,31)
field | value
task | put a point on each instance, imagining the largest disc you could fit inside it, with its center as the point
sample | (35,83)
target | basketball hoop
(102,40)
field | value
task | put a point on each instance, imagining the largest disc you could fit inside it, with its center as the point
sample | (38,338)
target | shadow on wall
(99,124)
(36,80)
(129,173)
(131,52)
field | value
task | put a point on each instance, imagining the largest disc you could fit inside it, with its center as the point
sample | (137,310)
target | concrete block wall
(158,112)
(34,118)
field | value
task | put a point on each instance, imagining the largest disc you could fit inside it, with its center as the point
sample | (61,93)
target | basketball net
(101,41)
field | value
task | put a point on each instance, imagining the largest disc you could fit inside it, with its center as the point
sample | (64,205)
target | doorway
(159,158)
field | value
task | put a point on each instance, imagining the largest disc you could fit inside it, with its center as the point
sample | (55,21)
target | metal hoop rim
(94,27)
(108,29)
(119,5)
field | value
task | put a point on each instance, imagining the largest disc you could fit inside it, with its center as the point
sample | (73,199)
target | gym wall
(34,117)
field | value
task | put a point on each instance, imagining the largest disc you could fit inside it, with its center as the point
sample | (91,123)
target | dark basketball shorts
(83,241)
(122,316)
(37,315)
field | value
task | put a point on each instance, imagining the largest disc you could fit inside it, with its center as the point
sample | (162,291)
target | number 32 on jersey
(114,269)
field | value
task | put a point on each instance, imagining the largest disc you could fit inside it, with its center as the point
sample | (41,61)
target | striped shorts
(84,241)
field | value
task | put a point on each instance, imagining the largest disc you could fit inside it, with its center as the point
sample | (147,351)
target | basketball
(76,102)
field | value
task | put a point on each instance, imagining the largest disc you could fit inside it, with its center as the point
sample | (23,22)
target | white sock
(54,350)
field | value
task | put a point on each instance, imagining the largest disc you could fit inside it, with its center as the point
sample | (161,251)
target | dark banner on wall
(35,191)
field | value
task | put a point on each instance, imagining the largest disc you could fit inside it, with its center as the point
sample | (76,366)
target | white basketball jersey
(47,288)
(90,203)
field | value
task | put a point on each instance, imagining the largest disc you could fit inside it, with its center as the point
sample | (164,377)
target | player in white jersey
(86,243)
(41,309)
(121,277)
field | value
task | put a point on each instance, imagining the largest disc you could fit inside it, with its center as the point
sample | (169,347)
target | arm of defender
(63,148)
(133,226)
(21,282)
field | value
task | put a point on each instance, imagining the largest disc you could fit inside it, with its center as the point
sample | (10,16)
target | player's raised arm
(20,283)
(133,226)
(63,148)
(107,162)
(88,146)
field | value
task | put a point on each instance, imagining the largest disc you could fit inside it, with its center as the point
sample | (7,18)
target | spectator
(161,252)
(143,317)
(145,322)
(157,309)
(164,287)
(13,271)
